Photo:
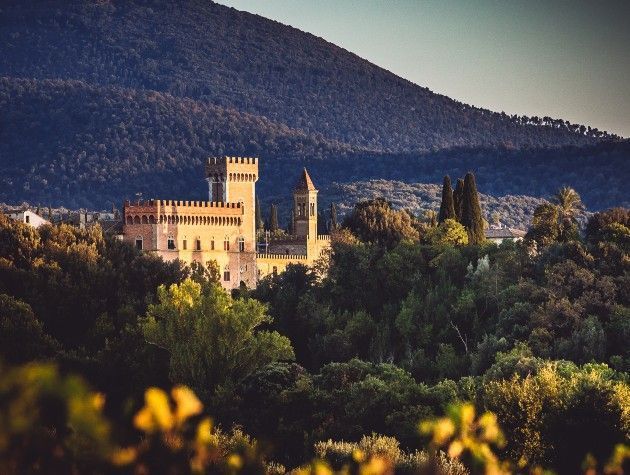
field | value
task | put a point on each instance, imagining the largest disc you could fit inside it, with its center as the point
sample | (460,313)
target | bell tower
(305,207)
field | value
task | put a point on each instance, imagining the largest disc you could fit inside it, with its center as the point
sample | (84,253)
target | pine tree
(458,199)
(273,219)
(260,225)
(447,208)
(333,217)
(292,223)
(471,211)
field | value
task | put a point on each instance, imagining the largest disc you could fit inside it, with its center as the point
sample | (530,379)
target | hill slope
(100,100)
(236,60)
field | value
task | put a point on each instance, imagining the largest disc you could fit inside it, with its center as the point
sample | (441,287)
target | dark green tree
(273,219)
(447,207)
(260,224)
(458,199)
(471,211)
(333,217)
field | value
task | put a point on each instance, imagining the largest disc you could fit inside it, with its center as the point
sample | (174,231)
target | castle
(223,228)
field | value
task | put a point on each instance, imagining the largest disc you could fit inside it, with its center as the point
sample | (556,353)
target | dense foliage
(404,326)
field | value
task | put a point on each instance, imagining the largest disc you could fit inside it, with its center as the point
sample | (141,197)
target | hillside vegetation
(103,100)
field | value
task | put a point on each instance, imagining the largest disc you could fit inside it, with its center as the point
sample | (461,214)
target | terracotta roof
(304,183)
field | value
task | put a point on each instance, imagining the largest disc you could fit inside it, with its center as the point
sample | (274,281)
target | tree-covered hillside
(237,60)
(100,101)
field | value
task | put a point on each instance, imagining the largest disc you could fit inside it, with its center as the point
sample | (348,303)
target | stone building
(223,228)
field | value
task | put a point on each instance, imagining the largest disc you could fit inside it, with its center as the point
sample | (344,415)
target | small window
(226,245)
(198,245)
(226,276)
(312,209)
(184,244)
(28,219)
(275,270)
(212,245)
(171,243)
(241,244)
(139,243)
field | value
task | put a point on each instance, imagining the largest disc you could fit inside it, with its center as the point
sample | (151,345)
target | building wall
(186,222)
(28,217)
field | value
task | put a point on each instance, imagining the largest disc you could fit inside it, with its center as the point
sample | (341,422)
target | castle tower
(233,180)
(305,207)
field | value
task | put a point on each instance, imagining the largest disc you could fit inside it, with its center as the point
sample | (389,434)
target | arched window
(145,220)
(226,244)
(136,220)
(241,244)
(185,243)
(139,243)
(129,220)
(170,243)
(151,219)
(226,274)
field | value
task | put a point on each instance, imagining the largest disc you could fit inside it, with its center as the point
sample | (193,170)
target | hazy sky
(564,59)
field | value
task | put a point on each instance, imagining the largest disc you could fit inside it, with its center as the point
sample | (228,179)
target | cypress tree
(333,217)
(471,211)
(292,223)
(260,225)
(447,207)
(458,197)
(273,219)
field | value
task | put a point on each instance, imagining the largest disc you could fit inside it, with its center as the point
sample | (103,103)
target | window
(198,244)
(28,219)
(226,274)
(226,244)
(184,244)
(275,270)
(170,243)
(139,243)
(241,244)
(212,245)
(312,209)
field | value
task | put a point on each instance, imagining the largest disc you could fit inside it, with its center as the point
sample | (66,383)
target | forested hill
(103,100)
(250,64)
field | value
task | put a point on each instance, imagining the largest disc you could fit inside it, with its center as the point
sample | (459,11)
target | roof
(503,233)
(304,183)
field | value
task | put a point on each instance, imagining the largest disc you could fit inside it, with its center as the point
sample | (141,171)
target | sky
(563,59)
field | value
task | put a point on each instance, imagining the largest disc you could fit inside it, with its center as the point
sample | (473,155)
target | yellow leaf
(187,403)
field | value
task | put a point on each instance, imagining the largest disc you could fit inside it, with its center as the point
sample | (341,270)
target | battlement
(235,160)
(323,237)
(232,169)
(288,257)
(180,204)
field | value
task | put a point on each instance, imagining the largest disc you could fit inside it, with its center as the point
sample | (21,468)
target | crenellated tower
(233,180)
(305,207)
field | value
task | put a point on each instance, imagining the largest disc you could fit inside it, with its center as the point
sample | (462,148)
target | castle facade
(223,229)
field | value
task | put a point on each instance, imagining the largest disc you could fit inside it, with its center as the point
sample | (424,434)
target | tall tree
(291,227)
(273,219)
(471,211)
(447,207)
(213,340)
(260,225)
(333,217)
(458,199)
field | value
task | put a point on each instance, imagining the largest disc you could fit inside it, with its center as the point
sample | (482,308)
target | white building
(28,217)
(498,235)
